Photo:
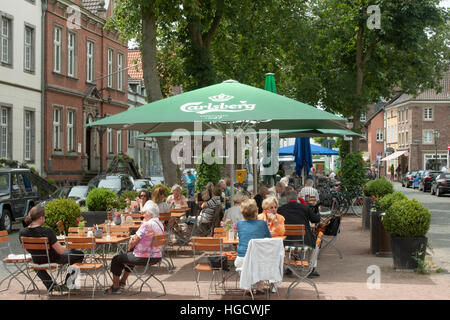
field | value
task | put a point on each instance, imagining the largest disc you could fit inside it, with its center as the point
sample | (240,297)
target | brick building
(410,124)
(83,81)
(374,126)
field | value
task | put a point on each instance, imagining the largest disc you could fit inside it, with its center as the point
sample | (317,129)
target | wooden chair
(220,233)
(214,246)
(18,261)
(40,245)
(90,265)
(141,271)
(302,260)
(73,230)
(297,230)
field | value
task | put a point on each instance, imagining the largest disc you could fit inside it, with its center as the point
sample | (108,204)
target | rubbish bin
(380,241)
(367,204)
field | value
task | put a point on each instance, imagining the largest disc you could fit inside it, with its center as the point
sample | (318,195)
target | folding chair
(297,230)
(90,265)
(40,248)
(157,241)
(269,265)
(213,246)
(220,233)
(13,260)
(302,260)
(73,231)
(332,237)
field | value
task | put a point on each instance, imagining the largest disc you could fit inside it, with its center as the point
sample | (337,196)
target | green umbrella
(227,104)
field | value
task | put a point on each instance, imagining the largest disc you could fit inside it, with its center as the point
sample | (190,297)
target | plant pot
(406,251)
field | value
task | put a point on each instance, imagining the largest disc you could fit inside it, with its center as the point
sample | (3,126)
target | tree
(354,65)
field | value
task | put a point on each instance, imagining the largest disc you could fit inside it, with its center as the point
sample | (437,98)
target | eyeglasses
(142,196)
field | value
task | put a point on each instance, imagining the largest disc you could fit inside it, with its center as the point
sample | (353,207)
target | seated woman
(234,213)
(250,228)
(142,199)
(58,253)
(275,221)
(139,249)
(209,207)
(159,197)
(176,199)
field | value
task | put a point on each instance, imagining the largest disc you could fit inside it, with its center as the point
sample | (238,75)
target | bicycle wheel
(356,206)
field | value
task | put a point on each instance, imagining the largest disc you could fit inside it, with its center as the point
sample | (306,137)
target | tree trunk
(358,91)
(153,87)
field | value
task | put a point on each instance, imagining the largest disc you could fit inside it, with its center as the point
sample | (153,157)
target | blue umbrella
(302,155)
(315,149)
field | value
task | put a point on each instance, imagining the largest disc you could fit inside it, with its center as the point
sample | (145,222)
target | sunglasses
(142,196)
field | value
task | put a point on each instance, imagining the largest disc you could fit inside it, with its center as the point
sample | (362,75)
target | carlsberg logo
(201,108)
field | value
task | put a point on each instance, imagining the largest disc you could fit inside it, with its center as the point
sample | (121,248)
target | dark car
(142,184)
(115,182)
(77,193)
(408,178)
(20,190)
(441,184)
(426,180)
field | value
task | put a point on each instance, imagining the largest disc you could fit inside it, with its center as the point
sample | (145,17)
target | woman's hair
(239,197)
(207,193)
(158,195)
(228,181)
(175,187)
(217,191)
(268,201)
(35,213)
(151,208)
(147,194)
(249,209)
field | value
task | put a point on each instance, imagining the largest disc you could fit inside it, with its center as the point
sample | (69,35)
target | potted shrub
(407,222)
(65,210)
(98,201)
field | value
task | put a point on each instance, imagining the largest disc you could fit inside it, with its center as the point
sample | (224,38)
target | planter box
(367,204)
(380,241)
(405,252)
(94,217)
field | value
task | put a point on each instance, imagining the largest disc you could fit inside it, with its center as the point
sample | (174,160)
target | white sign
(347,138)
(200,108)
(79,147)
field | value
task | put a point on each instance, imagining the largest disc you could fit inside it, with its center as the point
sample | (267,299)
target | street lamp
(436,137)
(101,131)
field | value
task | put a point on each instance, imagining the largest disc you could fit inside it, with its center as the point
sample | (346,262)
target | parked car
(77,193)
(408,178)
(416,179)
(20,190)
(156,180)
(116,182)
(426,180)
(441,184)
(142,184)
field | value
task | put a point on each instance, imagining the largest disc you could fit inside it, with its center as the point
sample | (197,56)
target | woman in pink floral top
(139,248)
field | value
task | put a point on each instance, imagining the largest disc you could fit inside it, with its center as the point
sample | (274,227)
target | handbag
(333,226)
(218,262)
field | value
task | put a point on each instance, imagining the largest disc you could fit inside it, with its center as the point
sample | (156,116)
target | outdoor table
(131,226)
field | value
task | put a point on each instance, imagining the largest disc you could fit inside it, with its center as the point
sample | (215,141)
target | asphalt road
(439,233)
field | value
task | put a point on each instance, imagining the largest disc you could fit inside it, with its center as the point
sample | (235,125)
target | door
(88,148)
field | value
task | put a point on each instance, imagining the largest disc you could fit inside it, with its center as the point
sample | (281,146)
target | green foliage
(207,172)
(352,171)
(52,181)
(130,195)
(389,199)
(378,188)
(65,210)
(101,199)
(168,189)
(407,218)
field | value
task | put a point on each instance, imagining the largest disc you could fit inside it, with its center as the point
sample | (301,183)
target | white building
(20,81)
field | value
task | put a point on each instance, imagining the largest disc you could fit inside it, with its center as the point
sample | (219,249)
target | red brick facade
(85,99)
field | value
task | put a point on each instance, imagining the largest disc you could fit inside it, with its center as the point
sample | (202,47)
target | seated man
(309,192)
(58,253)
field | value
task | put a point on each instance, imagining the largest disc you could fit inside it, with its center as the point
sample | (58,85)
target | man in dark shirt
(57,253)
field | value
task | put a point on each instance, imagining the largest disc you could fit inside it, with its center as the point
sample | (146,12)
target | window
(379,135)
(131,135)
(71,54)
(29,135)
(70,131)
(57,129)
(109,141)
(427,113)
(4,133)
(57,50)
(119,141)
(406,138)
(110,68)
(120,72)
(29,49)
(6,40)
(90,61)
(428,136)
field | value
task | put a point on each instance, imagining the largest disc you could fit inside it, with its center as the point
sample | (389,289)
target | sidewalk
(340,279)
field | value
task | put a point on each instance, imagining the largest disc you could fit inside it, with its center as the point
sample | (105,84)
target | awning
(395,155)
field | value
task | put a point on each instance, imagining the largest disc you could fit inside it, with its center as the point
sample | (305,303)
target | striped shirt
(309,191)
